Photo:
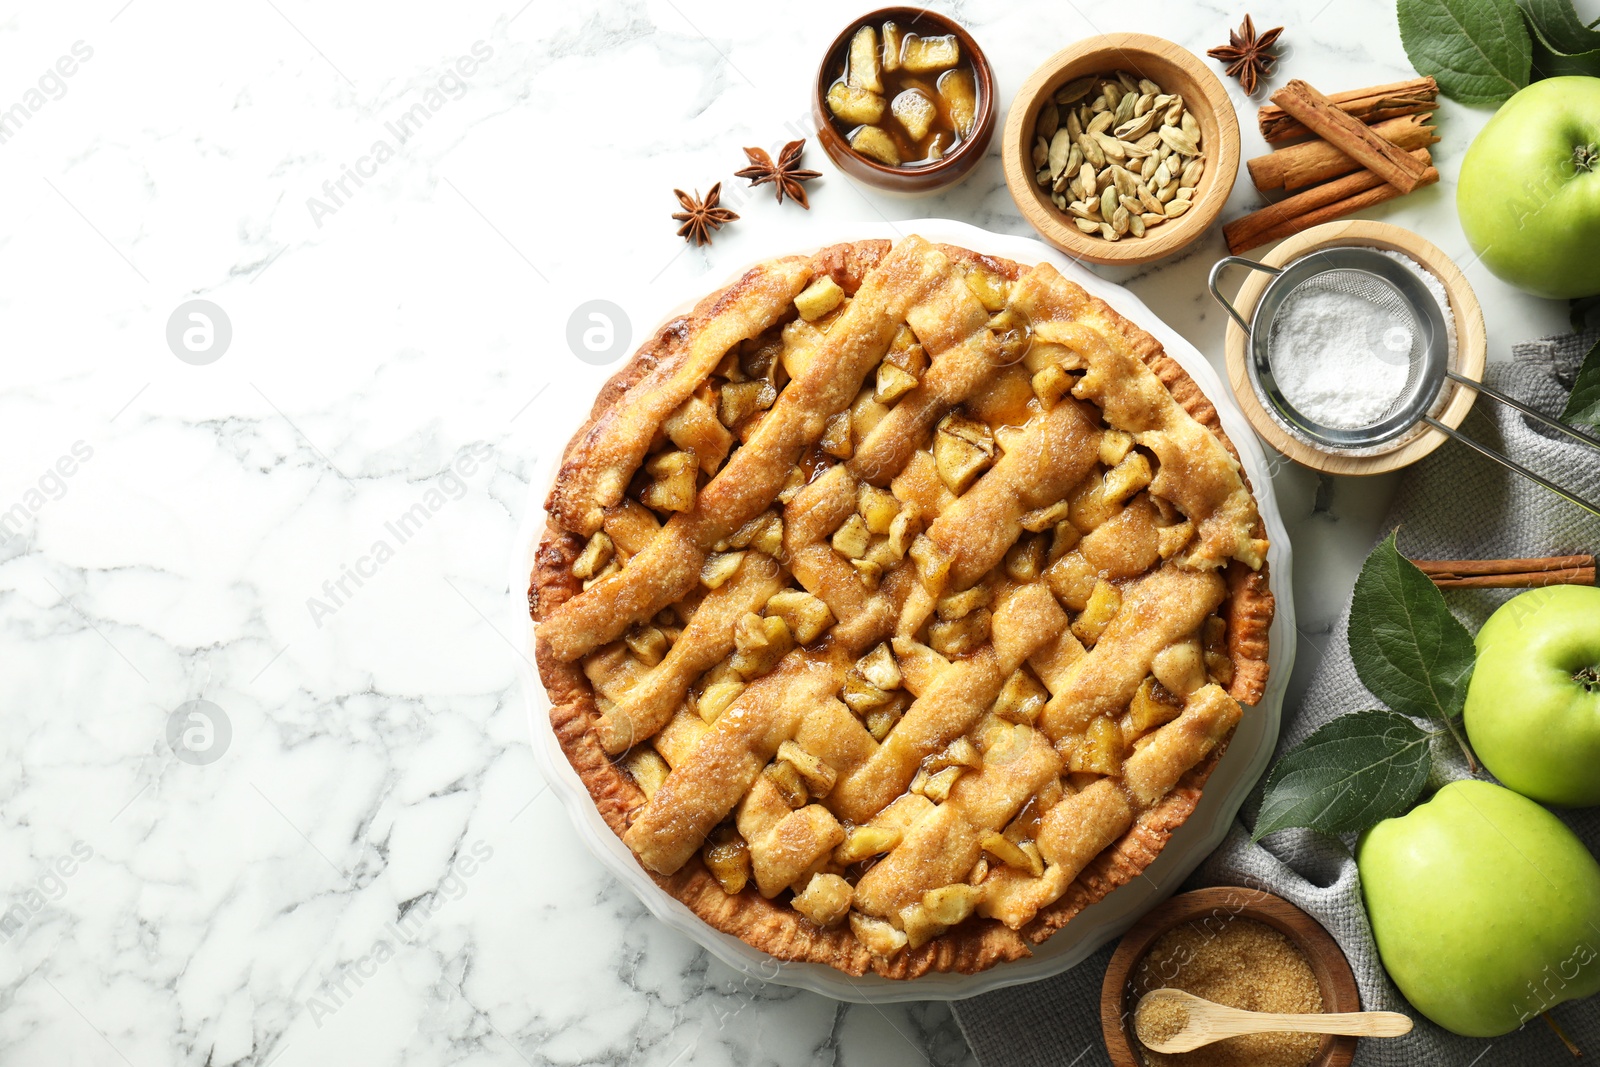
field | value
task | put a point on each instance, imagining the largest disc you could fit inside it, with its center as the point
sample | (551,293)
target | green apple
(1533,705)
(1485,907)
(1529,191)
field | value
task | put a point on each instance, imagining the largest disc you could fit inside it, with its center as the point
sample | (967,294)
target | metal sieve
(1407,326)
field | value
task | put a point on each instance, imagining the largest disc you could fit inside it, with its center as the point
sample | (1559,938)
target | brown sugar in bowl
(1176,70)
(1335,980)
(930,177)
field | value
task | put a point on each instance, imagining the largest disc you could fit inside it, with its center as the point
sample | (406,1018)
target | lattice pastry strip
(1197,473)
(753,475)
(1046,459)
(964,355)
(1156,611)
(597,474)
(973,531)
(1081,826)
(784,844)
(814,513)
(649,701)
(704,788)
(952,703)
(943,847)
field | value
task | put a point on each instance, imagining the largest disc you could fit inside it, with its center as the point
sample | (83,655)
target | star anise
(785,175)
(1246,54)
(701,217)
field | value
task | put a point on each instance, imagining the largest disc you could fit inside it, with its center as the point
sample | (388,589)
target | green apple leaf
(1477,50)
(1583,406)
(1562,44)
(1556,23)
(1350,774)
(1548,63)
(1409,651)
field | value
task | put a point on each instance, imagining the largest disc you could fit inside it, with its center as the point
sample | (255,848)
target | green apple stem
(1584,158)
(1588,678)
(1577,1053)
(1466,749)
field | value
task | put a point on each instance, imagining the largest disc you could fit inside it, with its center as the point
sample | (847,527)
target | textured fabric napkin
(1453,505)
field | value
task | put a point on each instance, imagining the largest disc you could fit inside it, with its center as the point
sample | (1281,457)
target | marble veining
(267,796)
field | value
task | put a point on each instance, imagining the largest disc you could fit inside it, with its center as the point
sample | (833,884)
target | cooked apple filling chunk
(761,641)
(727,857)
(594,557)
(671,486)
(825,899)
(864,842)
(808,617)
(962,636)
(962,449)
(819,298)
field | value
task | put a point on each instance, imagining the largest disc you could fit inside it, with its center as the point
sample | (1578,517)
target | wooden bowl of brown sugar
(1240,947)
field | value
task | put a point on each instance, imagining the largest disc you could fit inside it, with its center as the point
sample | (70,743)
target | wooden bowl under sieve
(1471,346)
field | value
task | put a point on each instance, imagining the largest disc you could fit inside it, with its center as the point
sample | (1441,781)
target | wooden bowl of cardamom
(1121,148)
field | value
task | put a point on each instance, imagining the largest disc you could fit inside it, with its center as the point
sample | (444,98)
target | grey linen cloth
(1455,504)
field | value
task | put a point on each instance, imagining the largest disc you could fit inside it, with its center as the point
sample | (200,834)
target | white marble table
(370,872)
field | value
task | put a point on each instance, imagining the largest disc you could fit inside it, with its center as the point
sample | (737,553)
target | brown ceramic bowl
(1222,904)
(1176,70)
(912,180)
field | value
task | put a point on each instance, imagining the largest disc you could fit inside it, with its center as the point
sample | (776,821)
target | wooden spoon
(1208,1022)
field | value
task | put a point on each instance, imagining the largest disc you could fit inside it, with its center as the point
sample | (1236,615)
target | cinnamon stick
(1318,161)
(1371,105)
(1315,216)
(1350,135)
(1576,576)
(1509,573)
(1276,221)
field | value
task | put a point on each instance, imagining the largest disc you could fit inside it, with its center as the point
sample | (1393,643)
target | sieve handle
(1512,465)
(1512,402)
(1235,261)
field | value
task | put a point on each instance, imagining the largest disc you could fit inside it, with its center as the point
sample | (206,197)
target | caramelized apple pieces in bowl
(907,98)
(902,98)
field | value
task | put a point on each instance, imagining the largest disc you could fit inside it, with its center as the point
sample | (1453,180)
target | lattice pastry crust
(895,604)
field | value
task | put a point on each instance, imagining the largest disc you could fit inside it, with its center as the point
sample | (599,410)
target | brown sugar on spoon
(1242,963)
(1156,1021)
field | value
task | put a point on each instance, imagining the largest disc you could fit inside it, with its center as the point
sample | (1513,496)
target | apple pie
(895,604)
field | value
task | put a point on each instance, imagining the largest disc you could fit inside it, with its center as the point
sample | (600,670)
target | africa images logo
(447,487)
(199,332)
(336,191)
(51,886)
(51,485)
(347,979)
(52,85)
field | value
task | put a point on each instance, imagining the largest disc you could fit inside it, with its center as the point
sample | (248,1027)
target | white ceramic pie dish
(1234,776)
